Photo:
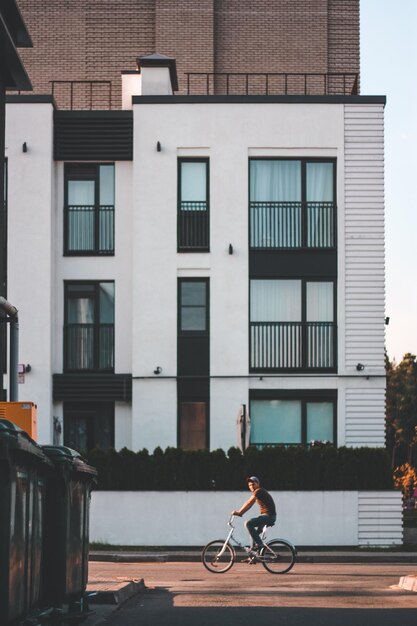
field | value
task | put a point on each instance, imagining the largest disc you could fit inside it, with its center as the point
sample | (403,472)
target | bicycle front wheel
(278,557)
(218,557)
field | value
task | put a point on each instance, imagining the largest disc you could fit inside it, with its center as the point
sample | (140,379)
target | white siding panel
(379,518)
(364,263)
(365,409)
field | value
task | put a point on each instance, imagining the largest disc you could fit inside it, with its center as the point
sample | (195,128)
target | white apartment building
(194,258)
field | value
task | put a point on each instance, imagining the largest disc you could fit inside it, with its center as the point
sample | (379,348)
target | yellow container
(23,414)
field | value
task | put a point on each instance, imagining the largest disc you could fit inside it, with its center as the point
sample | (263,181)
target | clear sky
(389,67)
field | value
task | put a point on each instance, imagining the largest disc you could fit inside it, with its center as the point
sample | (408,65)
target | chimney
(159,75)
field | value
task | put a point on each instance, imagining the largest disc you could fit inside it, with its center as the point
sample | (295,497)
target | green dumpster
(65,563)
(24,471)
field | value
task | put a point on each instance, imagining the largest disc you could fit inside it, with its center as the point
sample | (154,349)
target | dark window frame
(303,368)
(87,409)
(206,282)
(204,245)
(305,396)
(303,161)
(73,171)
(95,284)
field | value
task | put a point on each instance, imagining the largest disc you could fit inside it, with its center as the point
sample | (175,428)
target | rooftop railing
(276,83)
(82,94)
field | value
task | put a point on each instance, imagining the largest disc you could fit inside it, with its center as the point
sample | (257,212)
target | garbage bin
(24,470)
(65,563)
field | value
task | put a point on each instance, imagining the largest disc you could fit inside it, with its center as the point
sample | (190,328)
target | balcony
(292,345)
(271,84)
(89,230)
(275,225)
(89,347)
(193,227)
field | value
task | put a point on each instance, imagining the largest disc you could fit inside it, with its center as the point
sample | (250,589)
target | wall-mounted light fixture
(230,248)
(157,370)
(360,367)
(386,321)
(158,146)
(24,147)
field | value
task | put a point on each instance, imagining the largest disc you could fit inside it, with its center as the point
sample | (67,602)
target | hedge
(279,468)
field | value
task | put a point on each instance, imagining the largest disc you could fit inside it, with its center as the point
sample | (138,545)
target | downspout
(13,319)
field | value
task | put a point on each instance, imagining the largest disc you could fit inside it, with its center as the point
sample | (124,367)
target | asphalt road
(311,594)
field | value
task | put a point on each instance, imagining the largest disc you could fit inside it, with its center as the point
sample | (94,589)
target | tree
(401,410)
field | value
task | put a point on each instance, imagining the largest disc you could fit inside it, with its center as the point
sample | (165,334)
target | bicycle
(277,556)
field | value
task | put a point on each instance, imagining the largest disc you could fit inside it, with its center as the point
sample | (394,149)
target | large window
(89,209)
(289,420)
(89,425)
(193,205)
(292,203)
(89,326)
(292,324)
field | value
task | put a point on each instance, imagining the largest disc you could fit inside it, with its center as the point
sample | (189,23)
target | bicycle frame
(240,545)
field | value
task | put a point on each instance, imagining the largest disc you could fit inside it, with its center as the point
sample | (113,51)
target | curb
(117,596)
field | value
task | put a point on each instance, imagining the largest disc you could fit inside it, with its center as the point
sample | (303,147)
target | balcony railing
(193,226)
(90,229)
(89,347)
(292,224)
(282,83)
(292,345)
(82,94)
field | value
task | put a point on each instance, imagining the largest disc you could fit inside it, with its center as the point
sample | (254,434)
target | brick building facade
(86,40)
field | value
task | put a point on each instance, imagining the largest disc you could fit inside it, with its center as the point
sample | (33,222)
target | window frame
(305,396)
(303,162)
(193,248)
(95,284)
(93,409)
(303,367)
(68,176)
(206,282)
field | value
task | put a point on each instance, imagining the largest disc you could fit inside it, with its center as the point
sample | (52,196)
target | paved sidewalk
(110,588)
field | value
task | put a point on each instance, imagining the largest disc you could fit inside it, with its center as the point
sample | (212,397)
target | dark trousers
(255,526)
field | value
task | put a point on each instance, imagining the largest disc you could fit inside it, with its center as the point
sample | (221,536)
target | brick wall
(97,39)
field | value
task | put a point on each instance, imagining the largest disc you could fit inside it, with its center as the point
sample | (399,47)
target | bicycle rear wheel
(278,557)
(217,560)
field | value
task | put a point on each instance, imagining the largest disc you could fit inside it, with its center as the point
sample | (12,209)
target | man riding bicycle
(268,514)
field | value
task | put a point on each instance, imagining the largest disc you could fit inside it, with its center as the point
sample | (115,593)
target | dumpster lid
(63,454)
(17,439)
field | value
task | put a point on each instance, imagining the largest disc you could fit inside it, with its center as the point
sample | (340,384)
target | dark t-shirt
(265,501)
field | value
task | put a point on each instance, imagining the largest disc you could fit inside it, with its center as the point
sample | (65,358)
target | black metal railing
(90,229)
(292,345)
(272,83)
(89,347)
(82,94)
(193,226)
(292,224)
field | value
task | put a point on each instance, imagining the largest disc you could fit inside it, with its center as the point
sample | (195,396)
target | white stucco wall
(308,518)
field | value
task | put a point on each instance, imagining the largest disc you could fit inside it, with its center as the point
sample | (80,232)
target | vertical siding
(364,237)
(379,518)
(364,421)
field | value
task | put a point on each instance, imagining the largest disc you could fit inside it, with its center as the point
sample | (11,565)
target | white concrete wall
(307,518)
(31,190)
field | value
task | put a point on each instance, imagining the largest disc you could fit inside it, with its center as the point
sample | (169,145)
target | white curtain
(319,182)
(320,421)
(319,302)
(81,311)
(107,185)
(275,181)
(193,181)
(275,301)
(275,421)
(81,192)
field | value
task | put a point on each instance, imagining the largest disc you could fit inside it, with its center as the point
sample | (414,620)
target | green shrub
(280,468)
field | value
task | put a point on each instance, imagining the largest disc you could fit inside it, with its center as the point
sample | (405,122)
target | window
(193,309)
(89,425)
(288,420)
(193,205)
(89,326)
(193,425)
(292,203)
(292,324)
(89,209)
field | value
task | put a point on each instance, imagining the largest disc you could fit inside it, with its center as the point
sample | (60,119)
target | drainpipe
(12,318)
